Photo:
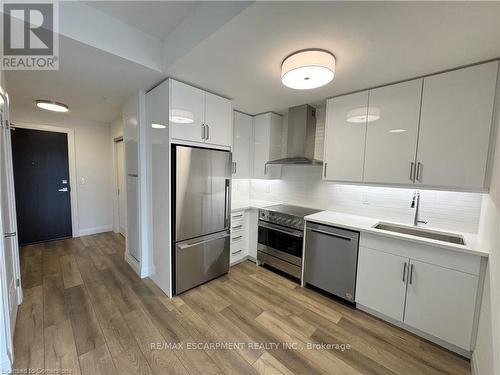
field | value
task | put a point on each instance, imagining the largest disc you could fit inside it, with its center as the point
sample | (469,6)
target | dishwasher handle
(332,234)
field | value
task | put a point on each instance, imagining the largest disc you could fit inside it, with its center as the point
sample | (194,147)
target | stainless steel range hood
(301,138)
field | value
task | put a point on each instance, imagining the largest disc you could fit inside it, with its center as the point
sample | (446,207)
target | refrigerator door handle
(211,238)
(227,204)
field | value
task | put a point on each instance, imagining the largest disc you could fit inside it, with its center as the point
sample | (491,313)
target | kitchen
(351,223)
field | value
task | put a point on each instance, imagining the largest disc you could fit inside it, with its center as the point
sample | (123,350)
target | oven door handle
(292,232)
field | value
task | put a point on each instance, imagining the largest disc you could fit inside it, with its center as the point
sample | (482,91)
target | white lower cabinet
(429,289)
(387,295)
(441,301)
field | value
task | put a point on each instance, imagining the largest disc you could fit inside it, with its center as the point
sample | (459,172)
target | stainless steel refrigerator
(201,215)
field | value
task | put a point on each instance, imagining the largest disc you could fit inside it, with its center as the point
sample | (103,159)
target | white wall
(486,357)
(93,165)
(302,185)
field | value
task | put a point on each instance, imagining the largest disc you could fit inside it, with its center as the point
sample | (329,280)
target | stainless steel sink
(420,232)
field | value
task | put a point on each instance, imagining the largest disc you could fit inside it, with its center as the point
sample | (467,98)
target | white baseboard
(5,365)
(96,230)
(473,364)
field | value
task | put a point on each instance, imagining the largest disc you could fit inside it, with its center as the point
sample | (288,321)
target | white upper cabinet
(187,112)
(392,130)
(267,145)
(345,133)
(242,145)
(199,116)
(455,126)
(218,120)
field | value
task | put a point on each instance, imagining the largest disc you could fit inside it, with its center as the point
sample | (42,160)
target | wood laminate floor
(86,311)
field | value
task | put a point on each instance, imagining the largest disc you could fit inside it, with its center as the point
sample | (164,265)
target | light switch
(82,180)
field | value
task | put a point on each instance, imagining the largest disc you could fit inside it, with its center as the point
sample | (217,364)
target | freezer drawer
(200,260)
(331,259)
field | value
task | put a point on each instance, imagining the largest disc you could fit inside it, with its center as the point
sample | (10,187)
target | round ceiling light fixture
(50,105)
(308,69)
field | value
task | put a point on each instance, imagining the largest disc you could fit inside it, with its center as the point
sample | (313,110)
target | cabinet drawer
(237,248)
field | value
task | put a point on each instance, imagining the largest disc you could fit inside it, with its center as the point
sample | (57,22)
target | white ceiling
(156,18)
(374,43)
(94,84)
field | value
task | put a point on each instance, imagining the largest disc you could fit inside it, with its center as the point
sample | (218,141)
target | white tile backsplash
(302,185)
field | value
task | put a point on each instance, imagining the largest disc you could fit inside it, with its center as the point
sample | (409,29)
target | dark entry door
(41,179)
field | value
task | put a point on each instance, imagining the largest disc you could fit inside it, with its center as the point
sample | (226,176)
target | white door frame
(72,166)
(116,197)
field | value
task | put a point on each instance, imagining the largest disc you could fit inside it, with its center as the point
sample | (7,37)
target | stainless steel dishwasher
(331,259)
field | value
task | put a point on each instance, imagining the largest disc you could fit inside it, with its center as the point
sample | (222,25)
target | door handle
(411,274)
(404,272)
(420,166)
(412,171)
(9,234)
(63,190)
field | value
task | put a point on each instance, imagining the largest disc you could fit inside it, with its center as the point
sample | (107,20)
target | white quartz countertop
(366,224)
(244,205)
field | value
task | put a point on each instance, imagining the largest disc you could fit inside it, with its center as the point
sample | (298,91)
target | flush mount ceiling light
(308,69)
(158,126)
(180,116)
(362,115)
(50,105)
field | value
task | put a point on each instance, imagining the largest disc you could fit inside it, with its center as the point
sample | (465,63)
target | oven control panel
(282,219)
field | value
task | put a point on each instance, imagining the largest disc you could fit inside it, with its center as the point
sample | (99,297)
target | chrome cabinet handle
(237,252)
(411,274)
(237,216)
(208,131)
(412,171)
(238,227)
(237,238)
(202,131)
(420,166)
(9,234)
(324,172)
(404,272)
(235,166)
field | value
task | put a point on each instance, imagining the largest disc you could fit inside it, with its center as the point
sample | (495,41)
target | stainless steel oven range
(281,237)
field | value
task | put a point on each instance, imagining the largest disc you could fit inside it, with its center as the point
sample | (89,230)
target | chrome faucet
(415,203)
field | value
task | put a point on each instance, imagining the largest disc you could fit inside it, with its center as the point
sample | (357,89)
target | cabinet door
(455,124)
(242,145)
(219,120)
(261,145)
(391,139)
(381,282)
(345,137)
(187,112)
(133,217)
(441,302)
